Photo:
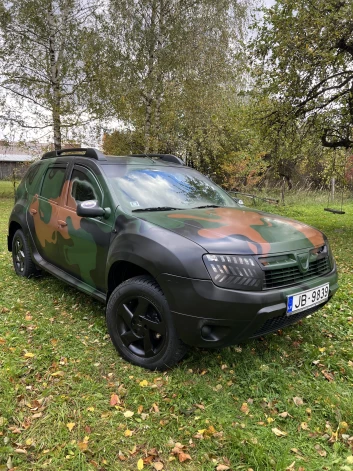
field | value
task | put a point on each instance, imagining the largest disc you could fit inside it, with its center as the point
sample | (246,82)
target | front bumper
(208,316)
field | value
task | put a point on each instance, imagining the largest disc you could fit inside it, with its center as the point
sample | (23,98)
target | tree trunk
(148,122)
(55,82)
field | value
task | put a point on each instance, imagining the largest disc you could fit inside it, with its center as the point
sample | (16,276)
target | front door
(83,241)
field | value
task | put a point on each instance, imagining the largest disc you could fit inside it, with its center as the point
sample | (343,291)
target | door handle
(62,223)
(33,211)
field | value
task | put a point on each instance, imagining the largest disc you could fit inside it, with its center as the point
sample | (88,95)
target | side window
(53,182)
(31,174)
(83,187)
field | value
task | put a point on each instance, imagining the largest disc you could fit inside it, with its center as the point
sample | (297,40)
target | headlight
(234,272)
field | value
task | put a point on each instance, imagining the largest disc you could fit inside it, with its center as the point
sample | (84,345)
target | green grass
(7,188)
(58,367)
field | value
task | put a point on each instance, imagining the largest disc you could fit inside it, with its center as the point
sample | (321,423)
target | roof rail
(88,152)
(164,157)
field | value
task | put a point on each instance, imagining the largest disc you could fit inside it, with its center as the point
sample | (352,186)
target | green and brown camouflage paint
(239,230)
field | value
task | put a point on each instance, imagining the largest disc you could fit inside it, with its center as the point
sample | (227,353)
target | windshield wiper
(158,208)
(207,206)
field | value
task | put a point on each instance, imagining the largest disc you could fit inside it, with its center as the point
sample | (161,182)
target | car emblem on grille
(303,261)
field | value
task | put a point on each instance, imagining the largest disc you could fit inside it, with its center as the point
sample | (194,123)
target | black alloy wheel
(21,256)
(141,327)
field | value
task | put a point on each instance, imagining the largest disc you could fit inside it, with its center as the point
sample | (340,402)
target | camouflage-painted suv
(176,260)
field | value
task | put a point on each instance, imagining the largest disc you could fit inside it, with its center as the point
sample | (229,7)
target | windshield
(164,188)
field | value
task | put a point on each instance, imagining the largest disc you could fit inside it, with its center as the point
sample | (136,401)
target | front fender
(155,249)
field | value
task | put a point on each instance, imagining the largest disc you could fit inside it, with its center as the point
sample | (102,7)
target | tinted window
(53,182)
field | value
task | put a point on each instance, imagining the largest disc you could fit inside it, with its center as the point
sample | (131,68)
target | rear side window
(30,178)
(53,182)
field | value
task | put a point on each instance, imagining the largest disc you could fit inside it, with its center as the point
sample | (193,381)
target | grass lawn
(7,188)
(68,402)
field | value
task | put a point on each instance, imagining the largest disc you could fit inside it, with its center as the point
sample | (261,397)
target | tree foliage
(306,54)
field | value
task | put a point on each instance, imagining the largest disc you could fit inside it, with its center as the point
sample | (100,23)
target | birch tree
(46,49)
(173,55)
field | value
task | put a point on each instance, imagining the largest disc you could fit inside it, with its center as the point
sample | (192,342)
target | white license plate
(307,299)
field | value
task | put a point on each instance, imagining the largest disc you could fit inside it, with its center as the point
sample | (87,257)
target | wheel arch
(13,227)
(121,271)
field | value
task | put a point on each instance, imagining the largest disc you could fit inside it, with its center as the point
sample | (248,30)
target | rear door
(43,211)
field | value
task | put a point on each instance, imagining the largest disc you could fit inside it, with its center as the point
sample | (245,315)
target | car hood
(237,230)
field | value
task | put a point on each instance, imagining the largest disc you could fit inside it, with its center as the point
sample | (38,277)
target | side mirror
(90,208)
(240,202)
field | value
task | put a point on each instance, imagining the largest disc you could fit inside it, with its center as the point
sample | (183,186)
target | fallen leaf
(284,415)
(128,433)
(328,376)
(139,409)
(83,446)
(143,383)
(21,451)
(200,406)
(140,464)
(349,459)
(298,401)
(29,355)
(58,373)
(245,408)
(70,425)
(291,467)
(222,467)
(183,457)
(279,432)
(155,407)
(128,414)
(90,409)
(320,450)
(114,400)
(158,465)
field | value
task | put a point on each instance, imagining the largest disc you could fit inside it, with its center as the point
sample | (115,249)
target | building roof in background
(20,152)
(15,157)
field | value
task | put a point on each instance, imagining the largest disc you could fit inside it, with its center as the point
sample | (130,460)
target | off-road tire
(138,312)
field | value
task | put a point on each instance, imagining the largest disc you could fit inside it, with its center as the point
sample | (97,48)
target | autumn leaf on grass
(279,432)
(83,446)
(328,376)
(114,400)
(284,415)
(320,450)
(128,414)
(245,408)
(143,383)
(222,467)
(70,425)
(298,401)
(57,373)
(29,355)
(178,450)
(128,433)
(158,465)
(140,464)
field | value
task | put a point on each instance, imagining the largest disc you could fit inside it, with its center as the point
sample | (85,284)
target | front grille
(281,277)
(277,323)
